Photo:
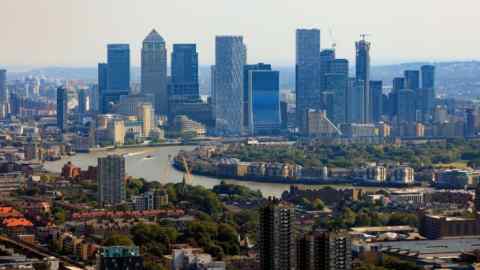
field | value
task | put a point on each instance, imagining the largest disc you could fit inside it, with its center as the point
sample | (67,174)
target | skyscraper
(82,101)
(3,86)
(111,180)
(336,82)
(376,91)
(118,56)
(398,83)
(154,71)
(230,58)
(184,73)
(324,250)
(62,108)
(276,239)
(354,101)
(264,96)
(307,74)
(406,106)
(327,57)
(412,79)
(428,76)
(362,71)
(246,94)
(102,86)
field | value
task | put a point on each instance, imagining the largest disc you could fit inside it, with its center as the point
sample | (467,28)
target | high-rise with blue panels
(230,59)
(307,74)
(264,96)
(246,94)
(184,82)
(118,67)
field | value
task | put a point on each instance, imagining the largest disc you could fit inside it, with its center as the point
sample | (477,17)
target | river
(157,168)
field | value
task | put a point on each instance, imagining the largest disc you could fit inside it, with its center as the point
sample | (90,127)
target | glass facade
(118,67)
(265,99)
(184,72)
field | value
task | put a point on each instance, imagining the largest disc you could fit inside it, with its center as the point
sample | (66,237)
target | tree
(118,240)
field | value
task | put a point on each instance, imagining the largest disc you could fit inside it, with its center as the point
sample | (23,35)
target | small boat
(148,157)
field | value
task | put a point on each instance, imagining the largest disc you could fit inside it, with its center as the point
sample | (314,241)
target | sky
(75,32)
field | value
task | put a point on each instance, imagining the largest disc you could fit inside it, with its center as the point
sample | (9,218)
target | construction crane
(364,36)
(334,43)
(187,177)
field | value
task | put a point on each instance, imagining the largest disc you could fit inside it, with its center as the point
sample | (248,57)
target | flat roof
(382,229)
(443,248)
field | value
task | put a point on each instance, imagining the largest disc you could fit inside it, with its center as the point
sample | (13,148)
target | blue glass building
(118,67)
(184,81)
(376,91)
(62,108)
(265,101)
(246,96)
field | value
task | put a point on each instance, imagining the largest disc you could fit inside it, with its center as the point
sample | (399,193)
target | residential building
(307,74)
(230,59)
(154,71)
(323,250)
(403,175)
(111,180)
(276,239)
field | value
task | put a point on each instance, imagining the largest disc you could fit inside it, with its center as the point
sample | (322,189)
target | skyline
(78,31)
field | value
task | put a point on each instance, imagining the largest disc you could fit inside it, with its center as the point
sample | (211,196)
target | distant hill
(460,79)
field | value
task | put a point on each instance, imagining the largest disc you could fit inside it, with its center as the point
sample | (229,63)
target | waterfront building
(307,74)
(264,97)
(154,71)
(247,106)
(276,236)
(376,91)
(184,80)
(230,59)
(62,108)
(403,175)
(376,174)
(111,180)
(186,126)
(116,131)
(323,250)
(147,116)
(362,74)
(119,257)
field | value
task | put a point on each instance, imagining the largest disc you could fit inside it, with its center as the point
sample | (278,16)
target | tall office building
(118,56)
(111,180)
(154,71)
(184,83)
(102,86)
(324,250)
(327,57)
(362,71)
(412,79)
(354,101)
(428,76)
(146,113)
(82,101)
(264,92)
(230,59)
(336,82)
(307,74)
(376,94)
(406,106)
(246,96)
(3,87)
(398,83)
(276,239)
(428,86)
(62,108)
(117,74)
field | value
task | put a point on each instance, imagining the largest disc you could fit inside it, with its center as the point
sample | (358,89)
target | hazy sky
(75,32)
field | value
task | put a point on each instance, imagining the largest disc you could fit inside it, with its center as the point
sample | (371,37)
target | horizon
(76,33)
